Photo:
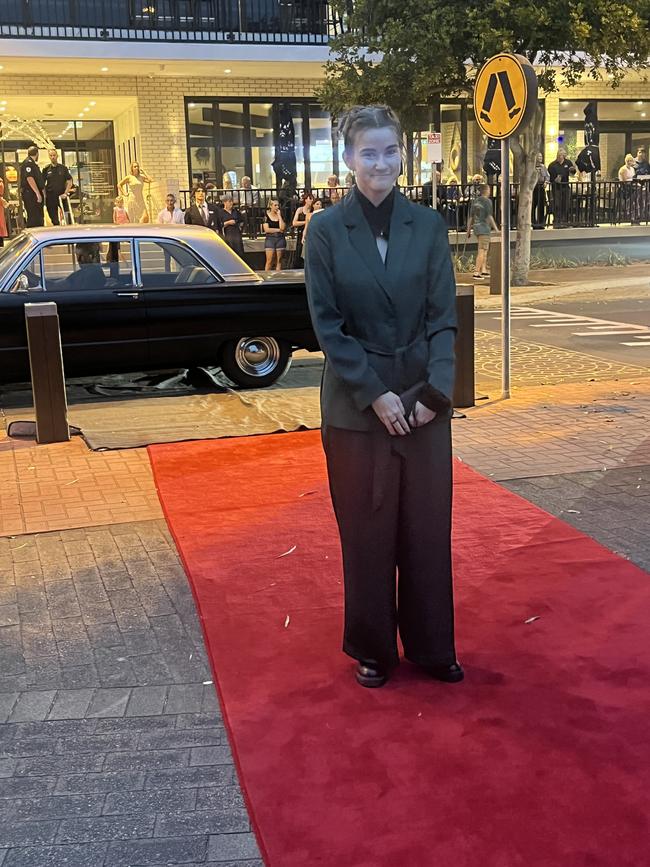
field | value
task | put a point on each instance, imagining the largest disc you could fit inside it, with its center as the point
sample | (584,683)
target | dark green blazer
(382,327)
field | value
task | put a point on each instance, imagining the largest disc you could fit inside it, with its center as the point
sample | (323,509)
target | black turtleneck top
(378,217)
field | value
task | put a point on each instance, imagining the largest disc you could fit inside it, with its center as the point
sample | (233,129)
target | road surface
(615,330)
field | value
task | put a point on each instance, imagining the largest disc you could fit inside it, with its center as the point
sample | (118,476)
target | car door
(191,310)
(101,312)
(181,295)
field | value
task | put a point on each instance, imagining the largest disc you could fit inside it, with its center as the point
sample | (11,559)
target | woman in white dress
(131,187)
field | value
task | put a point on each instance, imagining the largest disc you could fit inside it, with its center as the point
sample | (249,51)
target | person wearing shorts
(481,221)
(275,242)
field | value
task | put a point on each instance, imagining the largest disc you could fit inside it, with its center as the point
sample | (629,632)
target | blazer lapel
(399,239)
(363,240)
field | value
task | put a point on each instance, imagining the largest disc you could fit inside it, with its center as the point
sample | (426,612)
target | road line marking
(642,333)
(571,324)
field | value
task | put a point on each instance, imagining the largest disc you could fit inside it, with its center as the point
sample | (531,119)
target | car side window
(165,264)
(87,266)
(30,278)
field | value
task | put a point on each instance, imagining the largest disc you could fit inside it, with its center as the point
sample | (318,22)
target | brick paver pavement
(558,429)
(66,485)
(112,749)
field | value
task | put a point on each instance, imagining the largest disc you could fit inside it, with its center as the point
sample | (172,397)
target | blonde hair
(363,117)
(629,157)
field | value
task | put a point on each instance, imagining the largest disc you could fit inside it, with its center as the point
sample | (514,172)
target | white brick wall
(160,110)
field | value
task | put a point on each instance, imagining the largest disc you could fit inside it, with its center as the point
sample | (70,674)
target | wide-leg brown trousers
(392,499)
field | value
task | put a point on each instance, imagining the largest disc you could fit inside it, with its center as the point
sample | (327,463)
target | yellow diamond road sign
(505,95)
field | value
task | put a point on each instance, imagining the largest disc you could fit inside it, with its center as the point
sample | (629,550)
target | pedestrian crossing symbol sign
(505,95)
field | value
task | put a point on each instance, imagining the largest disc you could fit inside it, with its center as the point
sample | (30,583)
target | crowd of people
(247,209)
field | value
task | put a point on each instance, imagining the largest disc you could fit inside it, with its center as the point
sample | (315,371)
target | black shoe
(449,673)
(370,674)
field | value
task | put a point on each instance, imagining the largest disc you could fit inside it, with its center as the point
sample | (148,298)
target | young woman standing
(382,296)
(275,242)
(131,188)
(299,223)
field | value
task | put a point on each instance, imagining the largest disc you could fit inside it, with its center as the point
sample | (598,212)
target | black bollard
(464,394)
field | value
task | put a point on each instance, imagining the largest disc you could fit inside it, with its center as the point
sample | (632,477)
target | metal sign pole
(505,268)
(505,97)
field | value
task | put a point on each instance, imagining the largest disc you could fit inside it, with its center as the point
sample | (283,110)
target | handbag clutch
(428,396)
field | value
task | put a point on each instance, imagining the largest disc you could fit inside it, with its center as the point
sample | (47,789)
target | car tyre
(255,362)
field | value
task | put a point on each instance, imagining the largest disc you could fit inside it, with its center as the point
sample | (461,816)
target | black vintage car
(150,297)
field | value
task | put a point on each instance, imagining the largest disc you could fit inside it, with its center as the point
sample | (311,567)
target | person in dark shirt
(31,188)
(58,182)
(229,221)
(90,275)
(559,171)
(641,163)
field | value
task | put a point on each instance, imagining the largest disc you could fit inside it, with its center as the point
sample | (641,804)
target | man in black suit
(201,213)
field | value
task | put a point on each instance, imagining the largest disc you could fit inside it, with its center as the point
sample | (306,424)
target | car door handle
(135,295)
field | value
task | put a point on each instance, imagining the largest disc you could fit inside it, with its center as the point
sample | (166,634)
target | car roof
(205,241)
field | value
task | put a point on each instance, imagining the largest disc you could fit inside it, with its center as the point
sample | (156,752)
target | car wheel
(253,362)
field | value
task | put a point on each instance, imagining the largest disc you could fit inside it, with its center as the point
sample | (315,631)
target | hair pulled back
(363,117)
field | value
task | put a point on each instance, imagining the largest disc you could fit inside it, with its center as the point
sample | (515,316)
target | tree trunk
(525,148)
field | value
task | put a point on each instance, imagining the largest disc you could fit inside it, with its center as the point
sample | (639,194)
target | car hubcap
(257,356)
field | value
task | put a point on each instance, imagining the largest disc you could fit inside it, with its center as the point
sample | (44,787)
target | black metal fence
(575,205)
(309,22)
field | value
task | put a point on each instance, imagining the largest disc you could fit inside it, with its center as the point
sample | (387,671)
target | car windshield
(11,252)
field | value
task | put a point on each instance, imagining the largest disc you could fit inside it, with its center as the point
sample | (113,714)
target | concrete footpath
(549,284)
(112,749)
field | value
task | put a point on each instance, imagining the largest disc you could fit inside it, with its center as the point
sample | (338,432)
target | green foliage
(464,262)
(409,53)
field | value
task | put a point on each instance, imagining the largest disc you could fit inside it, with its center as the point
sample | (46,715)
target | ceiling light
(575,114)
(1,67)
(92,102)
(2,108)
(104,69)
(565,102)
(227,71)
(86,109)
(191,105)
(643,114)
(639,102)
(81,114)
(3,101)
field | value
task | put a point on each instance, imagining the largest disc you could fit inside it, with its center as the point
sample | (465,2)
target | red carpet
(539,759)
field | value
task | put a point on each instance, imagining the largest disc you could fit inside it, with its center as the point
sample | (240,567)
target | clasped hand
(390,411)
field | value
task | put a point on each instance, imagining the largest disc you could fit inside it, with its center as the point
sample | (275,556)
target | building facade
(198,91)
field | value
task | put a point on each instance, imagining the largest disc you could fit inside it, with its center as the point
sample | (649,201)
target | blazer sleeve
(441,324)
(188,216)
(346,356)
